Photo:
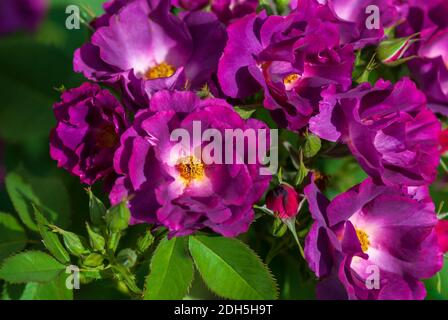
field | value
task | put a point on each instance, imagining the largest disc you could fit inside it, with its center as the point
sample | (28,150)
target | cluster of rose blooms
(302,62)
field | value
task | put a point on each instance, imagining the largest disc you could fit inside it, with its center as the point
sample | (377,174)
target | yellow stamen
(363,239)
(290,79)
(162,70)
(190,169)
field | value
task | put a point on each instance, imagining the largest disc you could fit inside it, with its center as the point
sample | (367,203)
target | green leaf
(245,113)
(53,196)
(22,197)
(52,200)
(55,289)
(51,239)
(231,269)
(12,235)
(171,271)
(30,266)
(312,145)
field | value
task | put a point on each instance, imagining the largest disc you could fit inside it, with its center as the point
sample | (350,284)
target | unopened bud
(391,51)
(442,235)
(283,200)
(93,260)
(117,218)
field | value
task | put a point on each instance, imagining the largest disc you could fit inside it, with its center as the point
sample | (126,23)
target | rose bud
(443,139)
(442,235)
(283,200)
(391,51)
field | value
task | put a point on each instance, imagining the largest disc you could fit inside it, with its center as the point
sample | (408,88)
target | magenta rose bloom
(388,128)
(229,10)
(89,124)
(373,242)
(353,17)
(430,69)
(180,190)
(145,48)
(20,15)
(291,58)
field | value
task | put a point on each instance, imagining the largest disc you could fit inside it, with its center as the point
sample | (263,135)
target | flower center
(290,79)
(162,70)
(190,169)
(107,137)
(363,239)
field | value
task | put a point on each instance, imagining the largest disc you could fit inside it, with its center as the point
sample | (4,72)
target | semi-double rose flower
(388,128)
(178,188)
(143,48)
(292,58)
(89,124)
(430,68)
(20,15)
(373,242)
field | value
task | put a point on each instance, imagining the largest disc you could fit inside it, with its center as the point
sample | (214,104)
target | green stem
(444,167)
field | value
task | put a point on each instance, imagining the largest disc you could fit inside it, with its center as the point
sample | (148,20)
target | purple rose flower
(356,23)
(179,190)
(388,129)
(145,48)
(18,15)
(292,58)
(373,242)
(430,69)
(354,17)
(90,122)
(229,10)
